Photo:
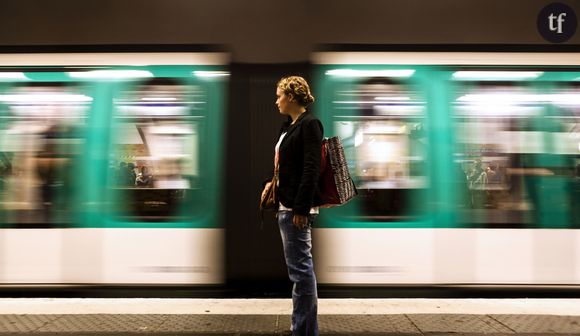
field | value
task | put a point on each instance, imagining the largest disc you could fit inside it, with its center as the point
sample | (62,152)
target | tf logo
(557,22)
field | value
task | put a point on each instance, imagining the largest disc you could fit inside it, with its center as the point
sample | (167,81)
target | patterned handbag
(269,199)
(335,184)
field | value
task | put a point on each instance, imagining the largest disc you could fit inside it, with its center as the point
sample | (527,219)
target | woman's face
(283,101)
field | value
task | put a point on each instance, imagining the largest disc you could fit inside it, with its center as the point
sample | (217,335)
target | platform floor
(367,317)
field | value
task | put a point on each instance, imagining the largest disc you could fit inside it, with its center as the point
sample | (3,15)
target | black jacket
(299,163)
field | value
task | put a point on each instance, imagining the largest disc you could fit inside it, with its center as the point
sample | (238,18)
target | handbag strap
(276,159)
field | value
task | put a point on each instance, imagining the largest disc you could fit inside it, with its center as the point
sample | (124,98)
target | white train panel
(32,256)
(163,256)
(373,256)
(447,256)
(505,256)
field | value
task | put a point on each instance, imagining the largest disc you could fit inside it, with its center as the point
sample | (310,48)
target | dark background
(254,257)
(272,31)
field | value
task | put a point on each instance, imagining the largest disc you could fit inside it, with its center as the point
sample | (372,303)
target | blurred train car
(110,167)
(467,163)
(126,169)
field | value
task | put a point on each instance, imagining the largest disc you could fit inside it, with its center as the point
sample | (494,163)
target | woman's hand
(300,221)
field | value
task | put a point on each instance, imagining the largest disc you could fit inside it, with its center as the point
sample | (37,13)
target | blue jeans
(297,245)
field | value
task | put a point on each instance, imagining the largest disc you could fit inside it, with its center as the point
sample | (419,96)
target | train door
(43,124)
(381,113)
(515,140)
(161,188)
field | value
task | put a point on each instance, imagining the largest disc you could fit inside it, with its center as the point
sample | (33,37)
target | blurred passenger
(493,189)
(44,142)
(297,159)
(20,198)
(48,170)
(5,170)
(130,175)
(492,175)
(459,179)
(120,174)
(477,176)
(477,183)
(143,179)
(155,129)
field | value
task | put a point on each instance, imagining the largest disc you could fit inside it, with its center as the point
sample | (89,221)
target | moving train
(141,168)
(468,166)
(111,168)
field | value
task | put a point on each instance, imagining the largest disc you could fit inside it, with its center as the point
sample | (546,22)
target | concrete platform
(272,317)
(421,324)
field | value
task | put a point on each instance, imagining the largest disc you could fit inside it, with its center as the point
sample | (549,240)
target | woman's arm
(312,137)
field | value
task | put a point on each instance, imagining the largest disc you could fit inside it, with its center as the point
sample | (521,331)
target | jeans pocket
(282,215)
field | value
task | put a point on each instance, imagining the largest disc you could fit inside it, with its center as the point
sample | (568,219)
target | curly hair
(298,88)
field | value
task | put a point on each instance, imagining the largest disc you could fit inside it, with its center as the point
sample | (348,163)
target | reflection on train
(518,146)
(154,163)
(376,120)
(458,165)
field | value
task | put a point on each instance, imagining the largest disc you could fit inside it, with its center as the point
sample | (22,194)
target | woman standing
(297,156)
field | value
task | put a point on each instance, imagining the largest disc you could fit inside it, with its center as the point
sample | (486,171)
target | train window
(382,124)
(41,137)
(155,165)
(496,139)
